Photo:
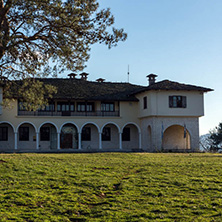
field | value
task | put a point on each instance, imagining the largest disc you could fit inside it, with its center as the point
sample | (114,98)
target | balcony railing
(67,113)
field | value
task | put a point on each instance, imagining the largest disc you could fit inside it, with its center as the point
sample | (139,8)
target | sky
(179,40)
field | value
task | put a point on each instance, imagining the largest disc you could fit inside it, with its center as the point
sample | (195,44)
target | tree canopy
(33,33)
(216,138)
(41,38)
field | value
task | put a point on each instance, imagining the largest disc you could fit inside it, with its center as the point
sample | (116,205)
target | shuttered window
(177,101)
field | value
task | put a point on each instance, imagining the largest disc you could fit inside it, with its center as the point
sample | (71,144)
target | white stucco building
(102,116)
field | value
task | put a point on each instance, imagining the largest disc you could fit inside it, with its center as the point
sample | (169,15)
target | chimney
(100,80)
(84,76)
(152,78)
(72,75)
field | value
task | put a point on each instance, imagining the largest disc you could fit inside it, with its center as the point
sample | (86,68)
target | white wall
(159,124)
(158,104)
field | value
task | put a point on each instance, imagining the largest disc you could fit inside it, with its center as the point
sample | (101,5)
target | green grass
(110,187)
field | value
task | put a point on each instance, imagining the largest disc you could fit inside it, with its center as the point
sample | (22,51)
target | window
(85,107)
(49,107)
(106,134)
(81,107)
(90,107)
(65,107)
(177,101)
(145,102)
(45,134)
(21,106)
(107,107)
(3,133)
(24,133)
(126,134)
(86,134)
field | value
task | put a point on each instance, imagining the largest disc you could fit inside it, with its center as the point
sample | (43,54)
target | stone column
(37,140)
(80,142)
(120,141)
(140,139)
(58,141)
(100,141)
(16,140)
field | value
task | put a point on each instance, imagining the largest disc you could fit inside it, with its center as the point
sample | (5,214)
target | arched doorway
(47,137)
(26,136)
(110,137)
(7,137)
(69,137)
(90,136)
(176,137)
(130,137)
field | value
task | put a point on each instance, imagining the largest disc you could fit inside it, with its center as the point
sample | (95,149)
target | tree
(216,138)
(41,38)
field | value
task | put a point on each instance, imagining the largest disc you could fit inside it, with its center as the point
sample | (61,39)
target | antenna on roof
(128,74)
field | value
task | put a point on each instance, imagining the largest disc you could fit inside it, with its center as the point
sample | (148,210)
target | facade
(102,116)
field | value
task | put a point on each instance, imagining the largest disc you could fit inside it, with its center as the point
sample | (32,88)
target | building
(102,116)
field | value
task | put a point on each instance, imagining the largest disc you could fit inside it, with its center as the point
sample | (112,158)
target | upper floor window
(85,107)
(107,107)
(145,102)
(177,101)
(21,106)
(65,106)
(49,107)
(3,133)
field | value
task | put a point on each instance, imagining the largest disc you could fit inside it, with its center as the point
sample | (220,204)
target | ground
(111,187)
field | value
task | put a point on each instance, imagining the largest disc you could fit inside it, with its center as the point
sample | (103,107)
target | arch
(48,122)
(69,136)
(8,142)
(31,142)
(68,123)
(90,137)
(48,139)
(90,123)
(6,122)
(175,137)
(26,122)
(131,123)
(131,136)
(112,124)
(111,136)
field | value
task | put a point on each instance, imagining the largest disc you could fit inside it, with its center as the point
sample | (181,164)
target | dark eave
(79,89)
(170,85)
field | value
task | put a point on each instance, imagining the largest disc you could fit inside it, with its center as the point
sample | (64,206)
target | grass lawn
(110,187)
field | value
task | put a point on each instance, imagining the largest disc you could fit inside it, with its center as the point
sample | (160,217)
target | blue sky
(179,40)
